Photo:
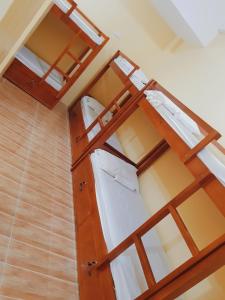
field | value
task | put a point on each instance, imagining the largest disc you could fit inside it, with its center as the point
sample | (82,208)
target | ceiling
(4,6)
(195,21)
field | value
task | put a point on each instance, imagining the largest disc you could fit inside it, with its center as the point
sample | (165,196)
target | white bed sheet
(39,67)
(124,65)
(121,212)
(76,18)
(138,78)
(189,131)
(91,109)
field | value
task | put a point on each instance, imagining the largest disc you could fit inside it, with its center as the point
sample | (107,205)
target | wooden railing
(210,134)
(136,239)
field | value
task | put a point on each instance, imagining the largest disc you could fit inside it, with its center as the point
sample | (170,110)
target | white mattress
(124,65)
(77,19)
(121,212)
(138,78)
(39,67)
(189,131)
(91,109)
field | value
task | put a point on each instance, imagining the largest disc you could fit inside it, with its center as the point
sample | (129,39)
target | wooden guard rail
(136,237)
(210,133)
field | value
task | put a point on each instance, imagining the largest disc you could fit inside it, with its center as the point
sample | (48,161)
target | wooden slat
(152,156)
(60,56)
(71,9)
(100,122)
(149,276)
(73,57)
(184,231)
(204,142)
(219,147)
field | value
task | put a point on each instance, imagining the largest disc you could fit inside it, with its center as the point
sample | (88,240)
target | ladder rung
(73,57)
(184,231)
(144,261)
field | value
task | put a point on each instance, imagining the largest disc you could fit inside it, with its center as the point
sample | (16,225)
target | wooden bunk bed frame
(36,86)
(79,137)
(203,261)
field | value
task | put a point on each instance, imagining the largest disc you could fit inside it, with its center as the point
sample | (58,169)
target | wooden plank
(152,156)
(149,276)
(202,144)
(29,82)
(115,152)
(184,231)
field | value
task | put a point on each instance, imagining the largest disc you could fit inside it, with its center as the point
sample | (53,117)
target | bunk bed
(109,247)
(49,81)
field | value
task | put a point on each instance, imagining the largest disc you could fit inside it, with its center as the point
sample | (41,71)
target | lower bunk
(121,211)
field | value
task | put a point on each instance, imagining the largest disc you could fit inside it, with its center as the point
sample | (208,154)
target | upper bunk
(193,140)
(57,53)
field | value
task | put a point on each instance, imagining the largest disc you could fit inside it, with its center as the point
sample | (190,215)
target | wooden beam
(214,135)
(152,156)
(117,153)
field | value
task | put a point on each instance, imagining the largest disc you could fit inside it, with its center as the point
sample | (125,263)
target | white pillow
(123,172)
(129,183)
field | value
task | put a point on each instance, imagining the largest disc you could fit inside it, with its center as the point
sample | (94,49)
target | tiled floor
(37,247)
